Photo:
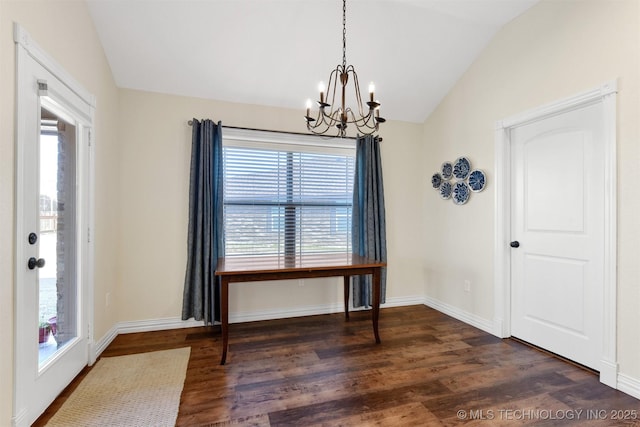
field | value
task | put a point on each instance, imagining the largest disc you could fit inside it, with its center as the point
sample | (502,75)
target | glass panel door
(58,290)
(53,251)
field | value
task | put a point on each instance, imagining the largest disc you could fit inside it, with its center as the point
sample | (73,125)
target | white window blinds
(286,194)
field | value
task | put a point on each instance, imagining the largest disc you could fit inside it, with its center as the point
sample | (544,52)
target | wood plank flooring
(429,370)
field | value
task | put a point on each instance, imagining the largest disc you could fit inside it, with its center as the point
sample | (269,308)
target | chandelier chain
(344,34)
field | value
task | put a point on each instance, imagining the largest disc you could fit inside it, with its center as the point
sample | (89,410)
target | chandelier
(331,115)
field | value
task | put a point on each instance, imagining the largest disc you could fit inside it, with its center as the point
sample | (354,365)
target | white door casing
(602,101)
(36,385)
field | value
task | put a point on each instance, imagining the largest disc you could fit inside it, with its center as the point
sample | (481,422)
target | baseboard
(242,317)
(156,325)
(99,346)
(404,301)
(629,385)
(314,310)
(499,328)
(310,310)
(609,373)
(20,419)
(138,326)
(461,315)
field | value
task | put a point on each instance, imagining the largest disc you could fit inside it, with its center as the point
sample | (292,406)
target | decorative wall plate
(477,180)
(445,190)
(447,170)
(436,180)
(460,193)
(461,168)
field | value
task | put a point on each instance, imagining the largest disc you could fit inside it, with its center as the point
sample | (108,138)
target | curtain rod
(190,122)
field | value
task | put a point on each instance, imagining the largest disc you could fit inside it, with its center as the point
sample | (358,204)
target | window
(286,194)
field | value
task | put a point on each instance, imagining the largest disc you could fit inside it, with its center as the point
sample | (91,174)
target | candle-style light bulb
(321,90)
(308,106)
(372,89)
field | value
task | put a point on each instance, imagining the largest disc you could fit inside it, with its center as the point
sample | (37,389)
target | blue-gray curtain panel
(205,244)
(368,236)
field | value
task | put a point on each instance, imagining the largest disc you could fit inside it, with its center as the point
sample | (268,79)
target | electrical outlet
(300,282)
(467,286)
(107,299)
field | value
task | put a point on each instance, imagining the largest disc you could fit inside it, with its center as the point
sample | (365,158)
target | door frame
(28,52)
(607,95)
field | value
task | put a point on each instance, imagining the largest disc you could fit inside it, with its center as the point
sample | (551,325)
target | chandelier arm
(364,122)
(333,84)
(365,128)
(332,78)
(357,87)
(318,129)
(324,121)
(329,120)
(310,118)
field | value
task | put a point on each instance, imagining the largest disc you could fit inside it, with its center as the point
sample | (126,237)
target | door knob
(514,244)
(33,263)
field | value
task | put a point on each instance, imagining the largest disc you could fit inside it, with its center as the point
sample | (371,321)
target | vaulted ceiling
(274,52)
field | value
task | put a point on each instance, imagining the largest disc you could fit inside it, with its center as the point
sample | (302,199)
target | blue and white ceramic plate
(460,193)
(461,168)
(445,190)
(477,180)
(436,180)
(446,170)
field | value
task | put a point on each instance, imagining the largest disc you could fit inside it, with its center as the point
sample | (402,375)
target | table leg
(224,317)
(346,296)
(375,312)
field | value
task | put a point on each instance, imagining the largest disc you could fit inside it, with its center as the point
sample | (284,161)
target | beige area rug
(135,390)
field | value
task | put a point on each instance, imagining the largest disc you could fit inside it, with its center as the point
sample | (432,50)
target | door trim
(28,52)
(607,95)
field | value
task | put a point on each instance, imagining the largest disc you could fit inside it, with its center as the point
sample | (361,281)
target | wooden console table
(260,268)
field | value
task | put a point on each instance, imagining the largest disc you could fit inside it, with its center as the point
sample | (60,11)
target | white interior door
(558,222)
(52,225)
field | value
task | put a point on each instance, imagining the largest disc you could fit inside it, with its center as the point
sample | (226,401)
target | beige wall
(154,172)
(65,31)
(555,50)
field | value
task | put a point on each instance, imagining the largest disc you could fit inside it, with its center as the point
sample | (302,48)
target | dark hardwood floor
(429,369)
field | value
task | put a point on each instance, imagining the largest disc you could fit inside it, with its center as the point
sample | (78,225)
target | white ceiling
(274,52)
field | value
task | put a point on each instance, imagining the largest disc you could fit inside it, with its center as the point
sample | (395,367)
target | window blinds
(287,198)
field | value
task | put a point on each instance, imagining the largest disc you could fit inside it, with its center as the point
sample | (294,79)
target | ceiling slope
(274,52)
